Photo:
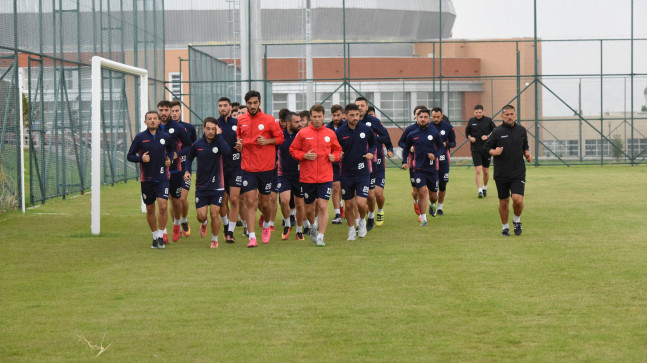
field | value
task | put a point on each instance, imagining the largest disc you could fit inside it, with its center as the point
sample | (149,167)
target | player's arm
(372,144)
(335,150)
(190,155)
(491,145)
(405,152)
(223,146)
(526,149)
(133,152)
(184,137)
(451,139)
(382,135)
(438,141)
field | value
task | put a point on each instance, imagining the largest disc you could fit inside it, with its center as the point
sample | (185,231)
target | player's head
(478,111)
(152,120)
(371,111)
(424,117)
(242,109)
(416,109)
(317,113)
(437,115)
(164,110)
(282,120)
(508,114)
(305,118)
(293,122)
(176,110)
(352,112)
(336,114)
(224,107)
(362,103)
(253,102)
(210,127)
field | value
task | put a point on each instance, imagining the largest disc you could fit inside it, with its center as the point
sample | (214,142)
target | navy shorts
(504,189)
(430,180)
(275,181)
(293,185)
(336,170)
(481,159)
(175,184)
(443,171)
(153,190)
(212,198)
(187,184)
(233,178)
(351,185)
(312,191)
(411,178)
(261,180)
(378,179)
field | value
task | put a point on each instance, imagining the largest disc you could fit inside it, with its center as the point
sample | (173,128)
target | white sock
(440,205)
(286,221)
(357,221)
(299,229)
(244,224)
(225,220)
(176,222)
(416,201)
(214,238)
(506,226)
(306,223)
(252,235)
(371,215)
(206,221)
(293,212)
(516,219)
(351,229)
(232,226)
(271,223)
(183,220)
(155,235)
(320,235)
(480,190)
(423,217)
(160,233)
(337,211)
(341,203)
(266,225)
(485,187)
(380,210)
(164,232)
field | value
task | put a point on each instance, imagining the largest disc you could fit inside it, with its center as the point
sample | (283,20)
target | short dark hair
(252,93)
(224,99)
(305,113)
(335,108)
(351,107)
(419,107)
(317,107)
(209,120)
(360,98)
(478,107)
(508,107)
(164,103)
(176,102)
(282,113)
(235,104)
(437,109)
(370,108)
(151,111)
(425,110)
(289,115)
(240,107)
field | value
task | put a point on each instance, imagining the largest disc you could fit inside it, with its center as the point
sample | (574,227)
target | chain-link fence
(584,105)
(49,44)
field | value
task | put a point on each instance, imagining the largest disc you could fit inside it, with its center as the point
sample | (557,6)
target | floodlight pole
(97,64)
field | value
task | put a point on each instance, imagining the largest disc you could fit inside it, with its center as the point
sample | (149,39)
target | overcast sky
(557,19)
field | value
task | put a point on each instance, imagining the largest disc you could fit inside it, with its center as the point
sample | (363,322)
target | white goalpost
(99,63)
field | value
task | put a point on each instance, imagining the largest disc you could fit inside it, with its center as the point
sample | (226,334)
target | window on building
(395,105)
(279,101)
(302,102)
(452,103)
(561,148)
(319,98)
(596,148)
(636,146)
(175,85)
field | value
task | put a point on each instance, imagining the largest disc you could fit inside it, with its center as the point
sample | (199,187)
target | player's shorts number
(360,165)
(441,158)
(236,156)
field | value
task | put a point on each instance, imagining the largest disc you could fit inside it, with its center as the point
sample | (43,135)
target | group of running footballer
(247,161)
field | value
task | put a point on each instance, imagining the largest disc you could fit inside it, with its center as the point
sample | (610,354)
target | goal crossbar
(99,63)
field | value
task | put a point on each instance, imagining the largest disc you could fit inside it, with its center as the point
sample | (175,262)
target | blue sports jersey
(159,146)
(209,175)
(355,143)
(190,130)
(447,136)
(403,142)
(181,140)
(287,166)
(331,126)
(228,127)
(382,138)
(425,141)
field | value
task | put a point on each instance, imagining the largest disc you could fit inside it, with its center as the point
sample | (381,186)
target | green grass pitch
(571,288)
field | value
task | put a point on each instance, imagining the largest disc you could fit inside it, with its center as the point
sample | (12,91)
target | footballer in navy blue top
(337,119)
(358,146)
(209,185)
(153,150)
(231,169)
(427,143)
(448,138)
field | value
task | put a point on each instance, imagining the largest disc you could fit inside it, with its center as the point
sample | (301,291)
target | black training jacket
(510,165)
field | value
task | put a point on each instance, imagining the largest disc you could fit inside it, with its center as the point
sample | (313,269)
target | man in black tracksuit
(477,130)
(508,144)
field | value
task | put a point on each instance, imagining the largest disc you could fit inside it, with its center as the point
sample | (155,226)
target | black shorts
(203,200)
(355,185)
(261,180)
(481,159)
(153,190)
(426,179)
(233,178)
(292,185)
(175,185)
(504,189)
(312,191)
